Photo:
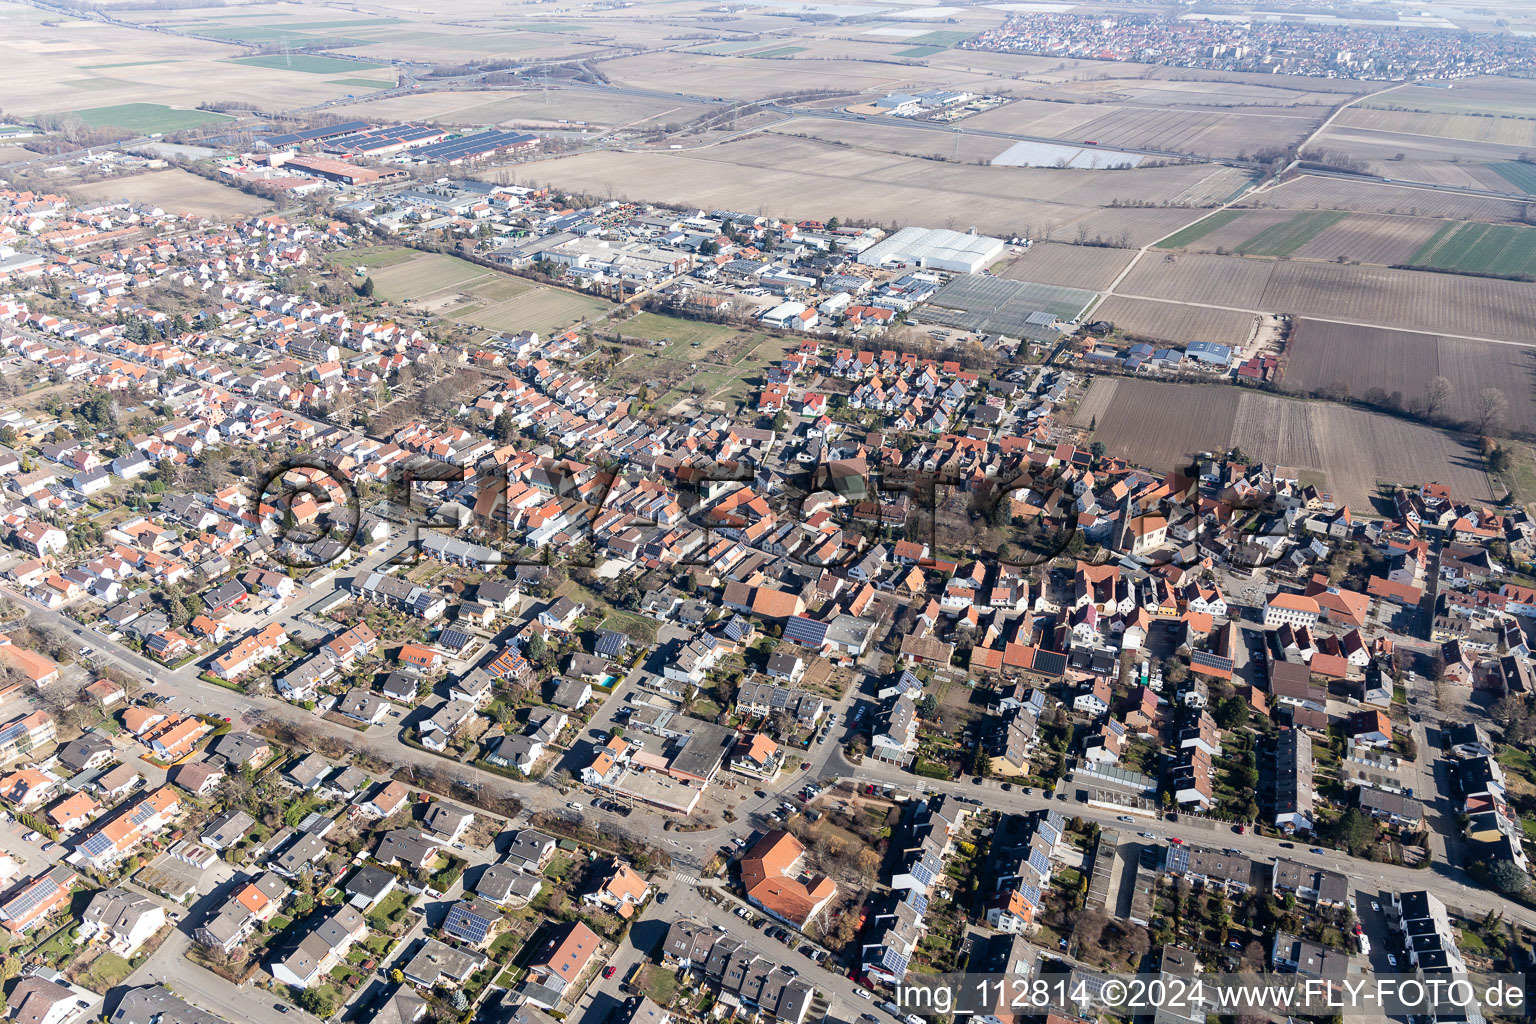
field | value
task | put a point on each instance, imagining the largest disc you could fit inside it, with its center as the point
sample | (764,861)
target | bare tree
(1492,407)
(1436,393)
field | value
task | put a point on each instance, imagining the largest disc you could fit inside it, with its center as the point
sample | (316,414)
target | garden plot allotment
(976,302)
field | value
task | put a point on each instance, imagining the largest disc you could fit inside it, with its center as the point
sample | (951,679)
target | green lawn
(1195,232)
(374,256)
(679,332)
(423,275)
(1521,478)
(558,867)
(146,118)
(107,971)
(1289,235)
(307,63)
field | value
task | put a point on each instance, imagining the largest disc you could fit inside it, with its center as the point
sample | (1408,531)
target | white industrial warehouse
(937,249)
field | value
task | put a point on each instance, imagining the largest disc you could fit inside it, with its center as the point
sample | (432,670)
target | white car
(574,805)
(862,993)
(32,837)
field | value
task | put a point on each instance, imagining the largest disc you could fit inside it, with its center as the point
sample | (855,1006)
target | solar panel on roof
(464,923)
(806,632)
(1052,663)
(32,897)
(96,845)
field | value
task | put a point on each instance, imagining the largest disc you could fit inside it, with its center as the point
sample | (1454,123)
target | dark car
(280,1007)
(1008,786)
(661,897)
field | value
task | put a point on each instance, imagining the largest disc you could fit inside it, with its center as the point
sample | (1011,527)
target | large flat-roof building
(936,248)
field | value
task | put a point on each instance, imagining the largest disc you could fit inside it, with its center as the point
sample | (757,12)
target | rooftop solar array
(467,147)
(384,138)
(807,632)
(312,134)
(463,922)
(30,898)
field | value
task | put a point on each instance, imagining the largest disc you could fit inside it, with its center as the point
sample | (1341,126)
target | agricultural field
(176,191)
(1366,238)
(306,63)
(1217,280)
(1201,132)
(1161,425)
(146,118)
(535,108)
(1280,240)
(1158,425)
(1324,355)
(1518,173)
(1076,266)
(1496,97)
(1403,157)
(1503,131)
(1172,321)
(1225,231)
(1438,303)
(55,64)
(1503,249)
(888,138)
(803,178)
(1311,192)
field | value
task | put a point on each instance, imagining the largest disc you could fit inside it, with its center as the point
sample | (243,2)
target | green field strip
(921,51)
(939,37)
(128,64)
(778,51)
(309,26)
(304,63)
(1518,173)
(98,84)
(1282,239)
(1422,255)
(145,118)
(1197,231)
(1470,248)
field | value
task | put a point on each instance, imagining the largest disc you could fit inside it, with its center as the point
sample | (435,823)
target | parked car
(610,971)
